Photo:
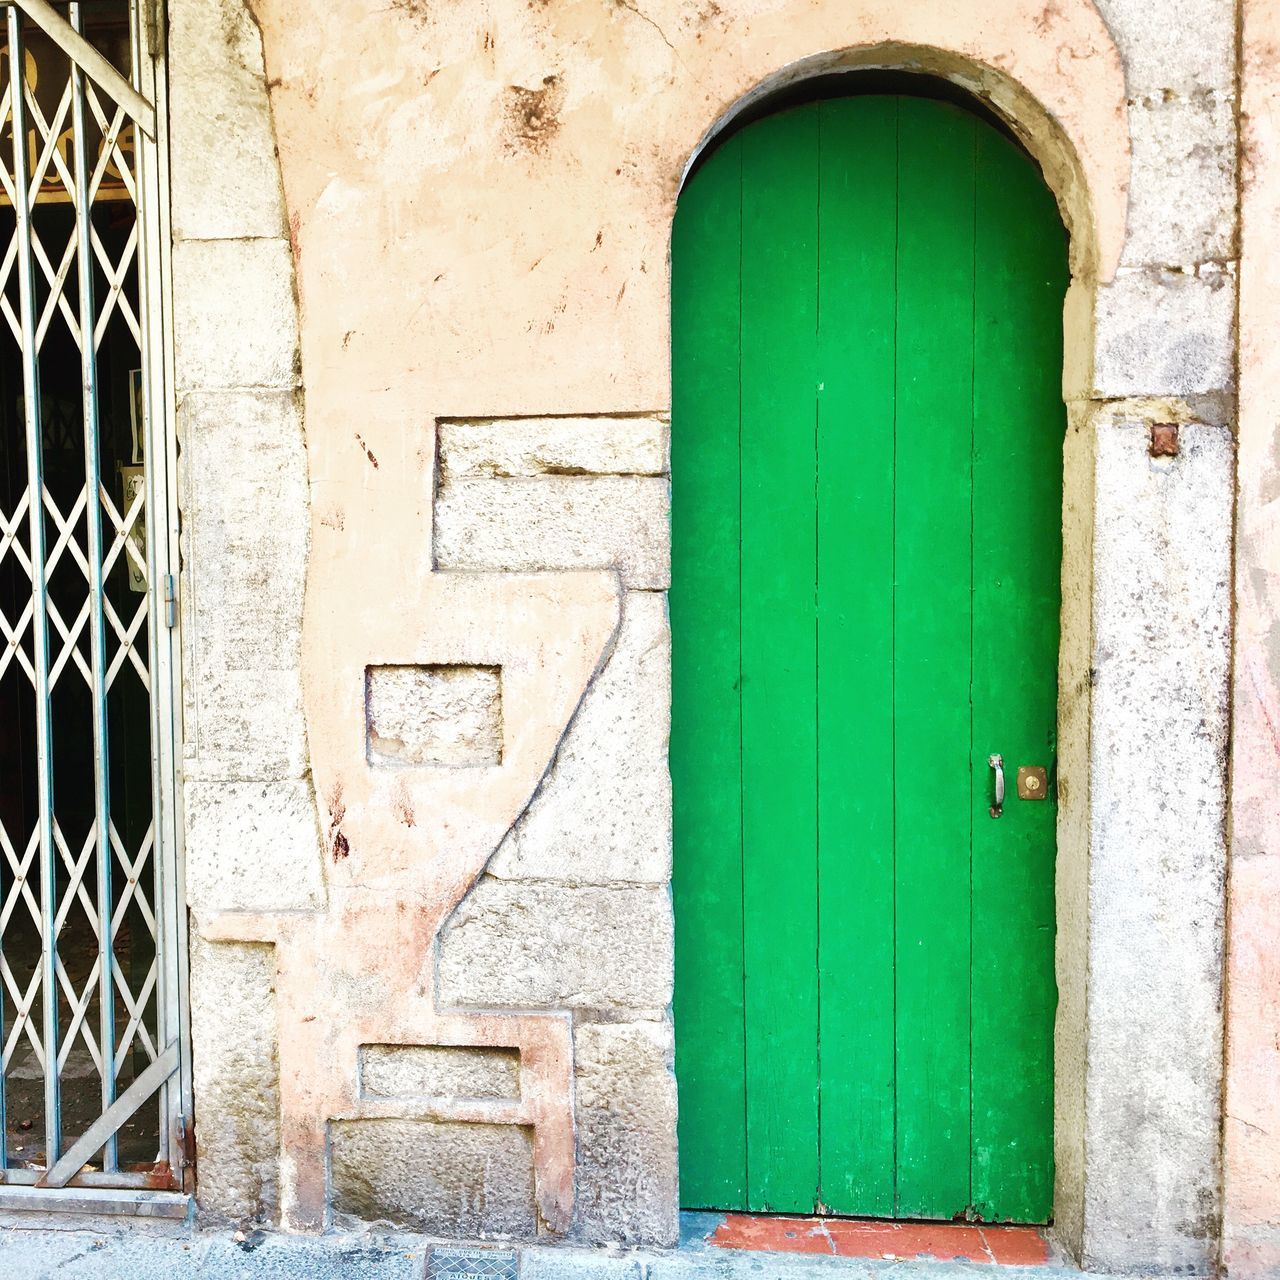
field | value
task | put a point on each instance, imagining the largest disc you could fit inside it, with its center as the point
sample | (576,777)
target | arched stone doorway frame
(1060,89)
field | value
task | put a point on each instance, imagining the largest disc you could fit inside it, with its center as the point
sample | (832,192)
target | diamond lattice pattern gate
(92,1092)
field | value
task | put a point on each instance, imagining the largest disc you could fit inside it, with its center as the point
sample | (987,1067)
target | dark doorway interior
(77,900)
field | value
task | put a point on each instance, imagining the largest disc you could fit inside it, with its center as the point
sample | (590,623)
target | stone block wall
(250,817)
(573,911)
(1159,615)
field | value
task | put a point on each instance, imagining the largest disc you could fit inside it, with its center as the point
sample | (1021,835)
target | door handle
(996,761)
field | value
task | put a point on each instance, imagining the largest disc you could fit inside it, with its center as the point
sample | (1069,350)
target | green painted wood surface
(858,218)
(1018,430)
(706,728)
(779,664)
(931,628)
(866,456)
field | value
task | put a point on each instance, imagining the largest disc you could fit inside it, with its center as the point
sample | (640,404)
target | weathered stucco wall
(470,845)
(1251,1243)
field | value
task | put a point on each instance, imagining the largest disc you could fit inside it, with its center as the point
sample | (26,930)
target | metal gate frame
(63,1187)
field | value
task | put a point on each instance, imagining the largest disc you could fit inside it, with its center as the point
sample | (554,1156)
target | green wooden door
(867,445)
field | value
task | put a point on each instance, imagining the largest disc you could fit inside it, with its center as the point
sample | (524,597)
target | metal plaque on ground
(472,1264)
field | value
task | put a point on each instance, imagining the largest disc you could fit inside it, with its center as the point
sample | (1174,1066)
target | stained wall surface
(427,657)
(1251,1124)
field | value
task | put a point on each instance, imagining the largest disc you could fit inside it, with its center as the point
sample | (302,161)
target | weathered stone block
(550,946)
(1182,47)
(1161,618)
(240,724)
(242,588)
(236,1078)
(436,714)
(627,1182)
(603,812)
(506,447)
(235,319)
(557,522)
(1165,333)
(439,1071)
(1182,193)
(448,1179)
(225,178)
(252,846)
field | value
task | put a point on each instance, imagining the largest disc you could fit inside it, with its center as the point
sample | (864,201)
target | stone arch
(1040,132)
(1051,72)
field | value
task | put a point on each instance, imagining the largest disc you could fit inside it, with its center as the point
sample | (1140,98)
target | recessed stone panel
(439,1071)
(626,445)
(448,1179)
(438,714)
(525,524)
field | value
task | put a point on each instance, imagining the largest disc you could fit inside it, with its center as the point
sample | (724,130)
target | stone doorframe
(1143,670)
(1147,528)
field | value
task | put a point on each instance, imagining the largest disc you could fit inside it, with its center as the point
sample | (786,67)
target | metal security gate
(94,1091)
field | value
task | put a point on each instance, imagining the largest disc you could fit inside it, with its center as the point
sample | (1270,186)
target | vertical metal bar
(39,588)
(4,1101)
(97,635)
(163,649)
(155,581)
(153,184)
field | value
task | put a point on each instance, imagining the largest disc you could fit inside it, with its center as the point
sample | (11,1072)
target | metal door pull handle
(996,761)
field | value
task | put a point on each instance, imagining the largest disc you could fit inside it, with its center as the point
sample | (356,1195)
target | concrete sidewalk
(141,1252)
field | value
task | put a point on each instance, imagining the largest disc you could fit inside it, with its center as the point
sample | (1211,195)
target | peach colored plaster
(480,198)
(1251,1228)
(405,845)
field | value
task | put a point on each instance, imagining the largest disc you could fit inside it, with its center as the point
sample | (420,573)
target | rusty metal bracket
(1164,440)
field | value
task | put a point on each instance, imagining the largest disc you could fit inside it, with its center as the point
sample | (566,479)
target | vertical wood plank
(1019,425)
(857,234)
(779,722)
(705,752)
(932,617)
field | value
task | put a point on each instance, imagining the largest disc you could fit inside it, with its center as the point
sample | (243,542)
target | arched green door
(867,459)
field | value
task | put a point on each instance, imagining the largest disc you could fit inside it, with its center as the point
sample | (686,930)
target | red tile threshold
(857,1238)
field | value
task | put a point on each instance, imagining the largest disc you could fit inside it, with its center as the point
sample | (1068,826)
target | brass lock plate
(1033,782)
